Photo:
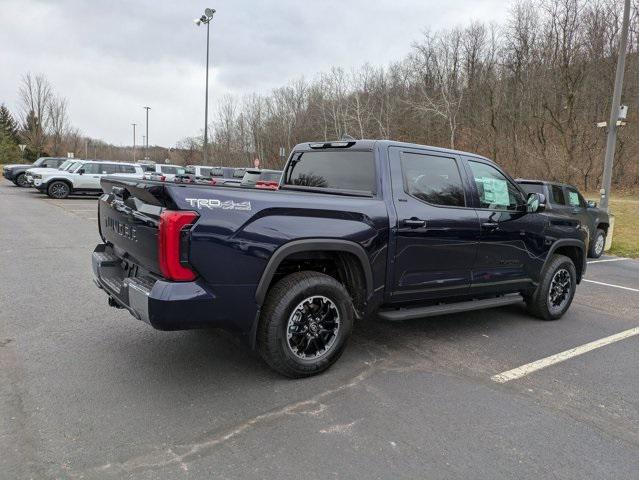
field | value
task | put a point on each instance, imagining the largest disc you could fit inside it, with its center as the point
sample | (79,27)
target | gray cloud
(111,58)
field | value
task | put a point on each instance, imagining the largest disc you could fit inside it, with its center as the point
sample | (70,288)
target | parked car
(84,178)
(39,170)
(17,173)
(358,227)
(162,172)
(567,200)
(268,179)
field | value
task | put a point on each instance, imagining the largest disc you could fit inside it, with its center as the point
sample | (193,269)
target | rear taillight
(267,184)
(213,182)
(172,254)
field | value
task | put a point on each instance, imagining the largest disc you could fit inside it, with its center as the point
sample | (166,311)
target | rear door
(437,231)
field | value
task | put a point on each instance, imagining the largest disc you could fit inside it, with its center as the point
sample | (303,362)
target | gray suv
(566,199)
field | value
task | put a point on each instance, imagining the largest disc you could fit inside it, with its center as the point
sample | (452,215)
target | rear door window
(558,195)
(339,170)
(108,168)
(433,179)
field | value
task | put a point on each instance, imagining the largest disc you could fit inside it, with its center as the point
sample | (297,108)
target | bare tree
(35,95)
(57,123)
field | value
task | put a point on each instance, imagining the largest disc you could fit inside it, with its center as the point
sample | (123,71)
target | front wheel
(597,245)
(58,190)
(21,181)
(555,291)
(305,324)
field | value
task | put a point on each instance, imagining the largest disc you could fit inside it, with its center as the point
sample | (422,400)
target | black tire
(21,181)
(58,189)
(284,304)
(597,244)
(551,306)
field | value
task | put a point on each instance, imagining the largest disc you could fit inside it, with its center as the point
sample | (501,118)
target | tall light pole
(134,125)
(614,112)
(146,145)
(206,19)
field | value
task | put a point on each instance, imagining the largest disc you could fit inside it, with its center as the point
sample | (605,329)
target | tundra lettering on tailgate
(122,229)
(212,203)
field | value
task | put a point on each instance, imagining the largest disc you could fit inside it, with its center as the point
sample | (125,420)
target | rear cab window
(532,188)
(332,170)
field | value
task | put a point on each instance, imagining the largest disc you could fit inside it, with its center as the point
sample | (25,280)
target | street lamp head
(197,21)
(209,12)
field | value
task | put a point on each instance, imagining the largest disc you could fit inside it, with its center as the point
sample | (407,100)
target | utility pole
(206,19)
(146,144)
(614,112)
(134,125)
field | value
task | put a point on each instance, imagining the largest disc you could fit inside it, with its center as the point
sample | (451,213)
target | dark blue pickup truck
(357,228)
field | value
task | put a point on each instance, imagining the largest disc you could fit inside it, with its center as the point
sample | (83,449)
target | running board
(446,308)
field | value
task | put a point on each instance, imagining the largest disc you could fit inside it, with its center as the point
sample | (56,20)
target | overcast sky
(110,58)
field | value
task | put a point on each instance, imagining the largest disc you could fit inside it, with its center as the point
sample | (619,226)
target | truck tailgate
(129,213)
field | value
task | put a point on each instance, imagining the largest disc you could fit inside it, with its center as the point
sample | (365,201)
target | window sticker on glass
(573,198)
(495,190)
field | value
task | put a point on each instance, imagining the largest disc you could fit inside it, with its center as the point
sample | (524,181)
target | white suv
(83,178)
(68,164)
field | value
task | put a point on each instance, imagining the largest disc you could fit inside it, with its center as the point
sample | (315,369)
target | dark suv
(566,199)
(16,173)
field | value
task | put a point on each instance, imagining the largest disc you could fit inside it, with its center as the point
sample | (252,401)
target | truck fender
(569,242)
(309,245)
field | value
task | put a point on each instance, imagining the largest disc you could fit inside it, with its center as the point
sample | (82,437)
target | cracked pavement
(87,392)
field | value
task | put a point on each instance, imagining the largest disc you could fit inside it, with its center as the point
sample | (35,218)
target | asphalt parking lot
(88,392)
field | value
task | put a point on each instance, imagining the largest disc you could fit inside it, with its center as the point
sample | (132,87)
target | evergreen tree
(9,150)
(8,124)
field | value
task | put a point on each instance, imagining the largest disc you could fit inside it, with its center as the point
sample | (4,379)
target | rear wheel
(305,324)
(597,245)
(58,189)
(555,291)
(21,181)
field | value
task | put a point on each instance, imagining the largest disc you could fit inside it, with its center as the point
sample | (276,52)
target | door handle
(490,225)
(414,222)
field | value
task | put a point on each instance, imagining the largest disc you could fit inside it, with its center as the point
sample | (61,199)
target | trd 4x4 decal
(212,203)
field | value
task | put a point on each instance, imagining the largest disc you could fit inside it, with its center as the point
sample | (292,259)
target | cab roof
(366,144)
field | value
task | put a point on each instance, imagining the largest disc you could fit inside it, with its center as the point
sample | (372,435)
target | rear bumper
(169,305)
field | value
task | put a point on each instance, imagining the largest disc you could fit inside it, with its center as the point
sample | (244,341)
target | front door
(90,179)
(578,209)
(512,245)
(437,232)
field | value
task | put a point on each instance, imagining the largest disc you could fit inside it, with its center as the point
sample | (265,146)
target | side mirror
(592,204)
(536,203)
(81,171)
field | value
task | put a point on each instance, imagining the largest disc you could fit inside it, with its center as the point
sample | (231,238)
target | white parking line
(529,368)
(611,285)
(607,260)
